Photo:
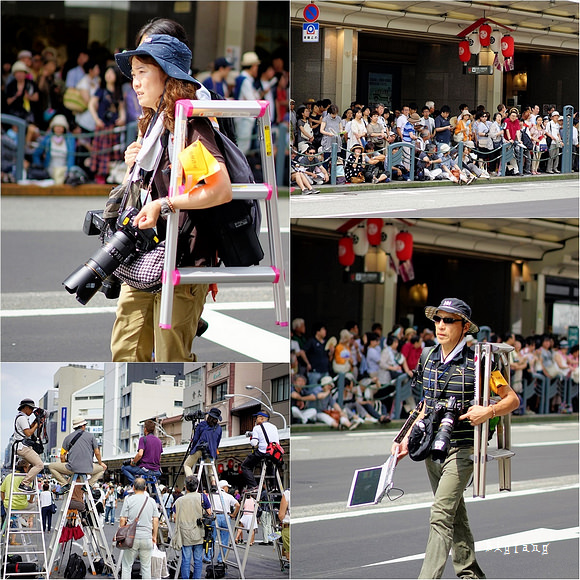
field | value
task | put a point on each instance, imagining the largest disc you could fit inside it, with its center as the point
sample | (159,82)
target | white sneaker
(369,419)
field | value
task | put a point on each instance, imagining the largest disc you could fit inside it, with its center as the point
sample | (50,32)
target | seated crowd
(363,134)
(351,380)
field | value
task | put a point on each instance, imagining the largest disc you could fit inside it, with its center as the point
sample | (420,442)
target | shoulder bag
(125,535)
(273,450)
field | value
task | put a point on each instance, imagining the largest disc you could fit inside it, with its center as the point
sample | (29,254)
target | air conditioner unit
(181,383)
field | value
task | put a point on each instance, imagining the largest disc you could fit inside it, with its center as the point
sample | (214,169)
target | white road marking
(245,338)
(538,536)
(16,313)
(426,505)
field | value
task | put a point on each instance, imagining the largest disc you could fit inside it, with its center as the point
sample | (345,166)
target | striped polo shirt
(456,378)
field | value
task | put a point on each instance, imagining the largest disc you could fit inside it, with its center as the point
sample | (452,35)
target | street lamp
(272,412)
(250,387)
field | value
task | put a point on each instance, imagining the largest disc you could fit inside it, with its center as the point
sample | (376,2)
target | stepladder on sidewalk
(80,526)
(24,549)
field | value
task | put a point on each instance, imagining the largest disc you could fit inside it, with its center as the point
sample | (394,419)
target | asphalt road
(545,198)
(42,243)
(530,532)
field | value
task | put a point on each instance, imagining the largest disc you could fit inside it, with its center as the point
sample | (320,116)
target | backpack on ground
(217,570)
(75,567)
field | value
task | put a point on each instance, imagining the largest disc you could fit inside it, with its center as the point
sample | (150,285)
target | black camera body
(204,448)
(194,416)
(120,247)
(39,413)
(446,416)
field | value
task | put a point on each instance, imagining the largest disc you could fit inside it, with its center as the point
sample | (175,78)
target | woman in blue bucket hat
(159,69)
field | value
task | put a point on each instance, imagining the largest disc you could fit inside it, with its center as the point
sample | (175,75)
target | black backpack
(75,567)
(233,228)
(217,570)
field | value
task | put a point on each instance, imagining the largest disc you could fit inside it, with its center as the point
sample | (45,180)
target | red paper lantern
(404,241)
(485,34)
(230,463)
(464,54)
(507,46)
(220,467)
(374,226)
(346,252)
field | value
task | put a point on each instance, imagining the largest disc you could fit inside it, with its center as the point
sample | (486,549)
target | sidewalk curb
(355,188)
(86,190)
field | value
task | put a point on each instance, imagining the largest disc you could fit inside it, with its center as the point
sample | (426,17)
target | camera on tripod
(449,414)
(120,247)
(194,416)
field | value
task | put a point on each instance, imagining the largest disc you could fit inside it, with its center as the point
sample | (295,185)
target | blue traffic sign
(311,13)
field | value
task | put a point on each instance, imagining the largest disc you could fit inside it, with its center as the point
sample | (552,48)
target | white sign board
(310,32)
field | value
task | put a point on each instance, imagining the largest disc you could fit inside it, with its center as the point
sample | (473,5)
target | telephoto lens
(121,248)
(442,440)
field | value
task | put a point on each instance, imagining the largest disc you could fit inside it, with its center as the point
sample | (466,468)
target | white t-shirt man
(258,438)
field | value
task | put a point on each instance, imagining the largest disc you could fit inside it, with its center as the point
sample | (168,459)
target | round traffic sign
(311,13)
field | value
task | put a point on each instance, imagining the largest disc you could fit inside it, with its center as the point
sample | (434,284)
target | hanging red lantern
(485,34)
(507,46)
(220,467)
(345,252)
(404,241)
(374,226)
(464,54)
(230,463)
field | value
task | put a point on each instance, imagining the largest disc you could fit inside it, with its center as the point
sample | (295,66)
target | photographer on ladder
(76,456)
(25,440)
(205,441)
(147,461)
(263,433)
(446,375)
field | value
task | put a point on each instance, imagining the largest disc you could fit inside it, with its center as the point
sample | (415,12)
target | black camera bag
(75,567)
(421,438)
(217,570)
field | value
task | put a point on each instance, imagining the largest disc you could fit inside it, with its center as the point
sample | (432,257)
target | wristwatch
(166,207)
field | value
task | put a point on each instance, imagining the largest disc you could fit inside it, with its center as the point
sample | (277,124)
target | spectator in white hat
(553,132)
(56,150)
(244,90)
(76,456)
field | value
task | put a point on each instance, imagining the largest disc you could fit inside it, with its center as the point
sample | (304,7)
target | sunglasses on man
(446,320)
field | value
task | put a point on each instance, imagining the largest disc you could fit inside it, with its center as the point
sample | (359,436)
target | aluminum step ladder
(94,542)
(207,472)
(265,485)
(24,541)
(267,191)
(490,356)
(166,526)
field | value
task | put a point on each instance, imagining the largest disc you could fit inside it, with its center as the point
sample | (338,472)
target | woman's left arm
(216,191)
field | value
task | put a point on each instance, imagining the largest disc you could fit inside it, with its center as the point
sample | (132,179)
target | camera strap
(452,368)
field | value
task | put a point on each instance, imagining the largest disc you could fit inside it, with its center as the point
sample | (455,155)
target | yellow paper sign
(497,381)
(198,163)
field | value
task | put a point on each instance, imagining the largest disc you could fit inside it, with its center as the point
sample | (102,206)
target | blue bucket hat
(170,54)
